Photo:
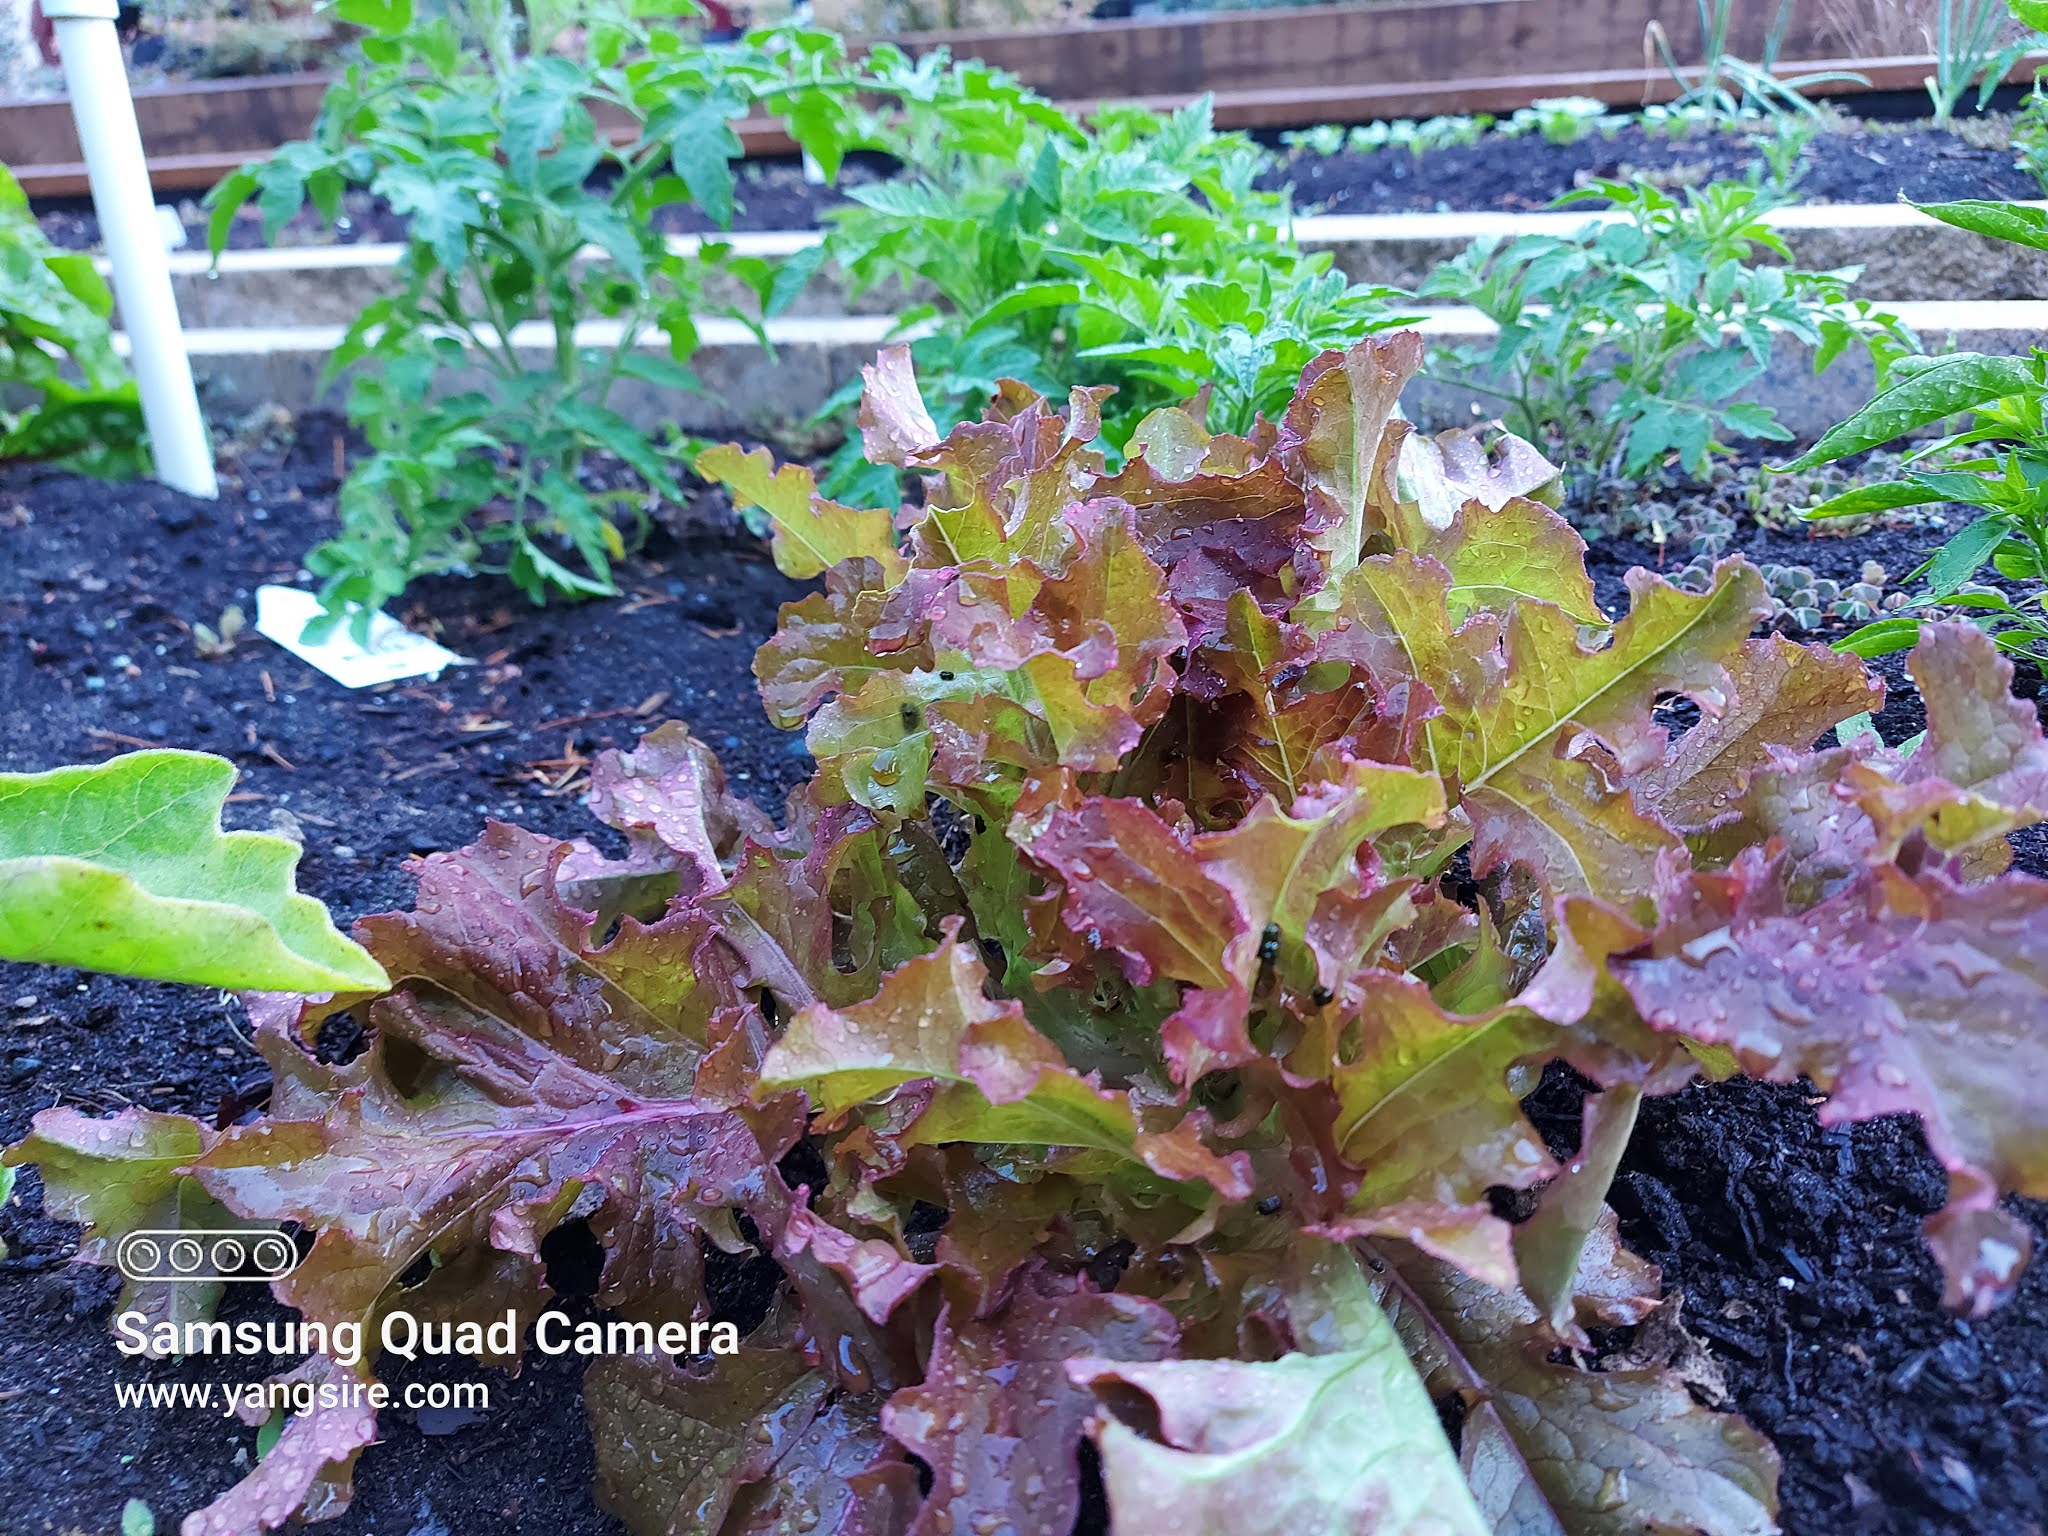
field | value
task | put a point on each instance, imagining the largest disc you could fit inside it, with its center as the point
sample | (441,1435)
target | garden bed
(1357,61)
(1851,162)
(1797,1248)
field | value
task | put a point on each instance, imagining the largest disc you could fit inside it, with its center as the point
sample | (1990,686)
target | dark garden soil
(1797,1248)
(99,586)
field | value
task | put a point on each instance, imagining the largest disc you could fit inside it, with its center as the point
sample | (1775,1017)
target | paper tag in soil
(394,651)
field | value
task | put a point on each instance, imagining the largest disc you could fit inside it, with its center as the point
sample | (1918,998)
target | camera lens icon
(274,1255)
(215,1257)
(140,1256)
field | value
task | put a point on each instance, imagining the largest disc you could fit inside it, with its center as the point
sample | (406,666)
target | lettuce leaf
(1905,994)
(756,1443)
(1124,1034)
(996,1418)
(1550,1448)
(1339,1436)
(997,1079)
(123,867)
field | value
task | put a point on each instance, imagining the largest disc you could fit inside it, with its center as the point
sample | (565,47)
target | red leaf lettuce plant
(1125,1033)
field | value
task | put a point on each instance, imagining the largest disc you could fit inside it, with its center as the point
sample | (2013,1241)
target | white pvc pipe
(98,82)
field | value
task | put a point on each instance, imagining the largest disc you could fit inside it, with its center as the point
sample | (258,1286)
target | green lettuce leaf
(998,1079)
(127,1174)
(1341,1437)
(1540,731)
(123,867)
(1549,1448)
(811,533)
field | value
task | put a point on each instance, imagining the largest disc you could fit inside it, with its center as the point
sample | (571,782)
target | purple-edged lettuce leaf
(1552,1449)
(1444,476)
(1333,429)
(1221,515)
(1900,995)
(521,1070)
(744,1445)
(308,1473)
(1541,731)
(683,827)
(895,426)
(1978,772)
(996,1418)
(993,1078)
(1782,697)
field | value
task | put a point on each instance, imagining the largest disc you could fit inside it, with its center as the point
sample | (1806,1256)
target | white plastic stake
(98,82)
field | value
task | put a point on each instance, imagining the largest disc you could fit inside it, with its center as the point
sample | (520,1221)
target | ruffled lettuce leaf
(520,1065)
(811,534)
(309,1471)
(1541,731)
(754,1443)
(125,1174)
(1203,862)
(1903,995)
(996,1079)
(997,1419)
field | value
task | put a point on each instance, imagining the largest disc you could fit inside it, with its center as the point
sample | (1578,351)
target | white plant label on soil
(394,651)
